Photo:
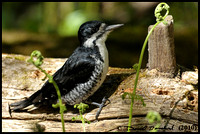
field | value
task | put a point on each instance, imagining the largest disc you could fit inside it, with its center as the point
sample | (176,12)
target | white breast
(104,53)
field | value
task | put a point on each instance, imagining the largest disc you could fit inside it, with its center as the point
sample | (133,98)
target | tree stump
(161,47)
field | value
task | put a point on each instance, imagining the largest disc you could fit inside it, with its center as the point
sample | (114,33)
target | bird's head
(91,31)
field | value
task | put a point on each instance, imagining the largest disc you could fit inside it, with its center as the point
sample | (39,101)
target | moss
(9,57)
(20,58)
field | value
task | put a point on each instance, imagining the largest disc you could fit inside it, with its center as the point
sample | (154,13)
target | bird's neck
(100,43)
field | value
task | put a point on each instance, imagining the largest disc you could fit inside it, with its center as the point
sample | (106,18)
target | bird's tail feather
(23,104)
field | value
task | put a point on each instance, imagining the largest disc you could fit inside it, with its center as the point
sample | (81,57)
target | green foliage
(37,60)
(158,11)
(82,108)
(135,97)
(126,94)
(159,19)
(154,117)
(135,66)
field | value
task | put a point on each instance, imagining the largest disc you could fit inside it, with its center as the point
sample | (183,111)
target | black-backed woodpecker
(83,72)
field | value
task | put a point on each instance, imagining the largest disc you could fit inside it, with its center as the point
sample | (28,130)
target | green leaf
(82,107)
(55,105)
(135,66)
(164,22)
(153,116)
(125,94)
(73,118)
(138,97)
(158,11)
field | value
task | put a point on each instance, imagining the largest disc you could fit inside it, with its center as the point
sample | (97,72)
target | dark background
(51,27)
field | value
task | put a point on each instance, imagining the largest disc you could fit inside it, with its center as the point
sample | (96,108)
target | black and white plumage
(83,72)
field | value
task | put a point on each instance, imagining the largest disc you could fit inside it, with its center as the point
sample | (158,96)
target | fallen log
(160,93)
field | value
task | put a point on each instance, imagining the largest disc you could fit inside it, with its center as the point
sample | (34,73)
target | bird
(82,73)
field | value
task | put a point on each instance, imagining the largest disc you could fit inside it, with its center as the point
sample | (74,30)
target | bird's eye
(91,30)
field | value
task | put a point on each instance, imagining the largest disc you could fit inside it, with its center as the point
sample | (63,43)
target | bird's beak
(112,27)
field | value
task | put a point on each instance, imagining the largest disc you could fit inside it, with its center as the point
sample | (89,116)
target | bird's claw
(101,106)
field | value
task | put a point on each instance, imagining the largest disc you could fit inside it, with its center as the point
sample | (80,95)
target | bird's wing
(77,69)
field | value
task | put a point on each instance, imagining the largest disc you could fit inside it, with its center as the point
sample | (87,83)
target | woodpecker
(83,72)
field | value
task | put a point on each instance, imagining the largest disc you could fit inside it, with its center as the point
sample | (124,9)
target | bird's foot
(100,105)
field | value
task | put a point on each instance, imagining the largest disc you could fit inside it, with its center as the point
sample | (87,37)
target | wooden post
(161,47)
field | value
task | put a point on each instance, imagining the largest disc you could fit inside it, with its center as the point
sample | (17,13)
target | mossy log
(160,93)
